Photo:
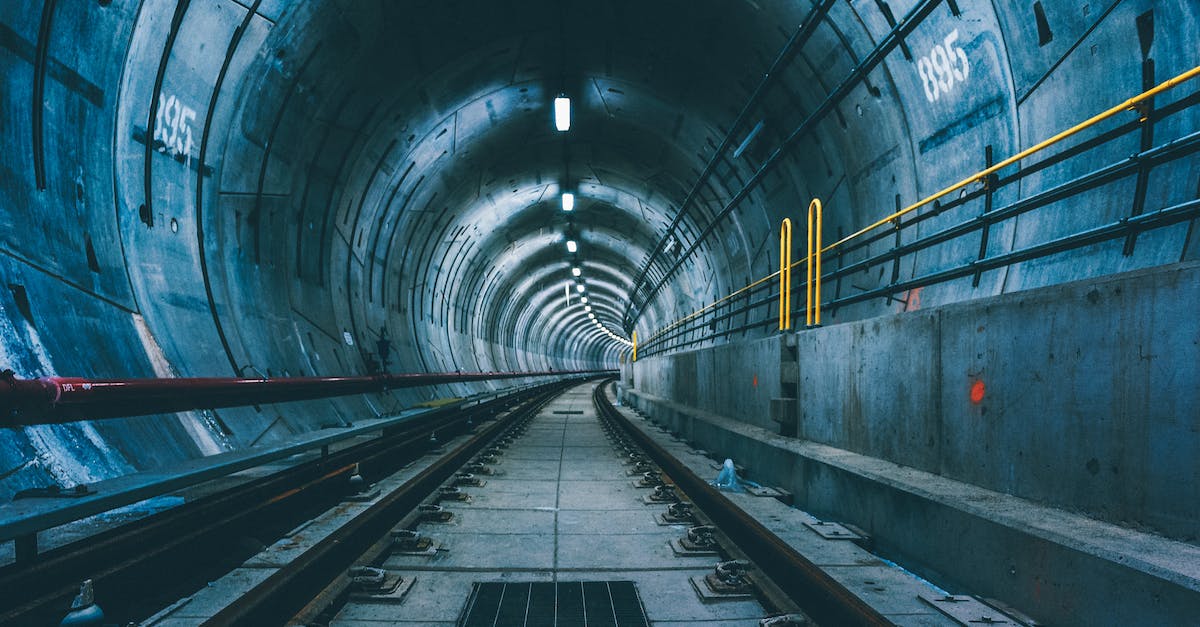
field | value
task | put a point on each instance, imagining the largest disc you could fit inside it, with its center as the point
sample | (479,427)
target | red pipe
(51,400)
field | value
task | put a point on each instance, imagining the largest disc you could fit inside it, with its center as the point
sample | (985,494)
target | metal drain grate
(568,411)
(569,604)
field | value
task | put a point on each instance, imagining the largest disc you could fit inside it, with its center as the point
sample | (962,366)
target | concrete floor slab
(534,453)
(524,469)
(628,551)
(583,454)
(589,522)
(470,518)
(593,470)
(539,440)
(601,495)
(483,551)
(560,513)
(516,494)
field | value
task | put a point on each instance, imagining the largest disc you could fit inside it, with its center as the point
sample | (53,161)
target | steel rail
(51,400)
(818,594)
(188,537)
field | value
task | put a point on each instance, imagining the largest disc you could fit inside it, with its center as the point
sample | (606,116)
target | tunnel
(996,380)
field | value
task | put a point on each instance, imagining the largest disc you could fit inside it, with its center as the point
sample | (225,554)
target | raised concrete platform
(1060,567)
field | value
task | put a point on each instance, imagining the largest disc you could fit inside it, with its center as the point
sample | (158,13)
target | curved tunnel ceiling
(321,171)
(449,203)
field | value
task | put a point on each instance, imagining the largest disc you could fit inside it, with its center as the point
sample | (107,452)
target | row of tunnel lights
(562,122)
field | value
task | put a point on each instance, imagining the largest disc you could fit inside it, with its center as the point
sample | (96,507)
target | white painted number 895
(945,65)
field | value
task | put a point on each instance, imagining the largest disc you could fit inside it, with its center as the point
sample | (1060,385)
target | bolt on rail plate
(832,531)
(966,610)
(391,590)
(683,551)
(708,595)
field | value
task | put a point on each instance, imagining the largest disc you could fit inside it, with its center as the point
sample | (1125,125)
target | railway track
(290,589)
(352,568)
(356,565)
(200,540)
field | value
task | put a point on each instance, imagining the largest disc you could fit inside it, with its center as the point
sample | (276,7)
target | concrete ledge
(1064,568)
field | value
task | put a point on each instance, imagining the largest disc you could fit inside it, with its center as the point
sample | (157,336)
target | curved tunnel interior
(229,188)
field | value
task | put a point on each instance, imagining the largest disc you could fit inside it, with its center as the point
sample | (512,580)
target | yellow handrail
(1130,104)
(634,347)
(812,307)
(785,274)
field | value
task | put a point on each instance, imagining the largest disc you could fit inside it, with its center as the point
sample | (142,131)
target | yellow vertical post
(634,346)
(785,275)
(812,309)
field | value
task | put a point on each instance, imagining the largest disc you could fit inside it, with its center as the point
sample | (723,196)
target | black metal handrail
(763,295)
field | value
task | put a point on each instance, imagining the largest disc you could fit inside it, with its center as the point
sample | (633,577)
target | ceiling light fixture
(562,113)
(572,246)
(579,288)
(576,271)
(568,201)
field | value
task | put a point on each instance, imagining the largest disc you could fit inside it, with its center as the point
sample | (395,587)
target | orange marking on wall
(755,383)
(912,300)
(977,391)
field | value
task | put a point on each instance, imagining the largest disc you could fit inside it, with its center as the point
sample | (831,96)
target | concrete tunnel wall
(1081,396)
(320,170)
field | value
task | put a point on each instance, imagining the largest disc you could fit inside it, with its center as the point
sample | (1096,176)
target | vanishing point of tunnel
(924,270)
